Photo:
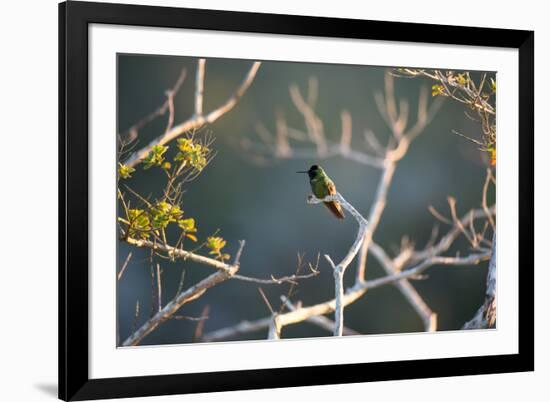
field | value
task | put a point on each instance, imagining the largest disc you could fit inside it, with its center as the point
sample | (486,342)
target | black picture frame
(74,19)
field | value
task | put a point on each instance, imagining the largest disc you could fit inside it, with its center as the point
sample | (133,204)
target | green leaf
(155,156)
(140,225)
(187,225)
(461,79)
(192,153)
(437,90)
(163,213)
(215,244)
(125,172)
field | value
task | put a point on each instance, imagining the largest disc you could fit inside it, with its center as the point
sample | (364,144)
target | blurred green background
(264,203)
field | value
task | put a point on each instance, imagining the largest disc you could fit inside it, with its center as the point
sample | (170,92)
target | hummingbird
(322,186)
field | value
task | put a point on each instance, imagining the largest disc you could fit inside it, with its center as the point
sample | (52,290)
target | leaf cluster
(216,244)
(477,91)
(154,218)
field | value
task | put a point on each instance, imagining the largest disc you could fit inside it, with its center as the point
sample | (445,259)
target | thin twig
(423,259)
(132,133)
(458,222)
(320,321)
(393,267)
(276,281)
(126,261)
(152,272)
(438,216)
(375,215)
(173,306)
(179,253)
(189,318)
(266,301)
(197,335)
(484,198)
(159,288)
(354,293)
(313,123)
(182,279)
(196,122)
(136,316)
(237,259)
(199,87)
(486,316)
(243,327)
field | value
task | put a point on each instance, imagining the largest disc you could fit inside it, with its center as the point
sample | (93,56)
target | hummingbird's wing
(334,206)
(331,187)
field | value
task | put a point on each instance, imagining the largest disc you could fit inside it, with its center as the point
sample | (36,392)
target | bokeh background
(264,203)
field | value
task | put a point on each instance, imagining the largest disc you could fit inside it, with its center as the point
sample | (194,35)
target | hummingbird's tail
(335,208)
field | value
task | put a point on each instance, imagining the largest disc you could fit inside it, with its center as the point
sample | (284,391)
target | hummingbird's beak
(302,171)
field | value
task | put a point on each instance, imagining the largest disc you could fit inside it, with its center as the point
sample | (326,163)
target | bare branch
(196,121)
(136,316)
(324,148)
(283,147)
(446,241)
(225,271)
(266,301)
(373,143)
(179,253)
(313,123)
(243,327)
(173,306)
(152,272)
(301,314)
(132,133)
(484,198)
(375,215)
(407,265)
(274,331)
(340,269)
(197,335)
(232,101)
(423,259)
(429,318)
(159,288)
(182,279)
(458,223)
(345,140)
(201,318)
(274,327)
(237,260)
(354,293)
(486,316)
(171,112)
(199,87)
(397,122)
(438,216)
(274,280)
(320,321)
(470,96)
(124,265)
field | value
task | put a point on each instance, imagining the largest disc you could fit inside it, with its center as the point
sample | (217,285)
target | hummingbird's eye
(314,167)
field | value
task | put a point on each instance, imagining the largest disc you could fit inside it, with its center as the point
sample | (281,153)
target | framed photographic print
(255,200)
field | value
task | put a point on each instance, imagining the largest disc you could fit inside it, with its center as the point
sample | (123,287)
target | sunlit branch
(340,268)
(486,316)
(192,293)
(197,120)
(416,266)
